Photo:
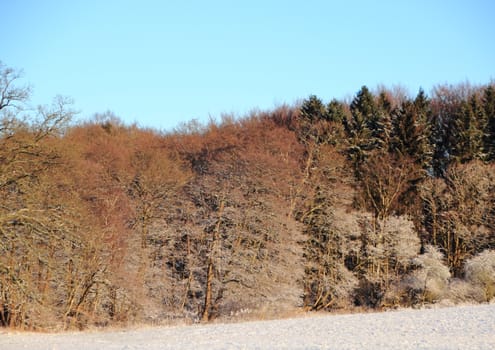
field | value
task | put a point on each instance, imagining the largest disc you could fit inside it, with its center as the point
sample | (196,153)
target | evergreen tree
(320,123)
(411,130)
(364,104)
(313,109)
(447,103)
(468,131)
(422,103)
(380,123)
(313,112)
(441,137)
(357,127)
(336,114)
(335,111)
(405,132)
(489,112)
(423,128)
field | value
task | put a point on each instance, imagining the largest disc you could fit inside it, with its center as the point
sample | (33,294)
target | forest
(383,201)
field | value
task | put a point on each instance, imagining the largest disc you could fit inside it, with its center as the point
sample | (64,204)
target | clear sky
(160,63)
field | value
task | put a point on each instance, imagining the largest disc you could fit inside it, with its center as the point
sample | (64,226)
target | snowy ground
(467,327)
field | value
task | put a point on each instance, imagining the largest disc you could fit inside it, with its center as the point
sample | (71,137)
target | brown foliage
(238,167)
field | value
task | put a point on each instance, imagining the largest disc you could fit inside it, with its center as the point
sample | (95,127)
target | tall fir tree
(410,130)
(381,122)
(467,131)
(313,113)
(336,111)
(313,109)
(446,104)
(488,103)
(357,127)
(424,149)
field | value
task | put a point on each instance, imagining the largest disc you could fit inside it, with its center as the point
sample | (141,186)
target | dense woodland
(383,201)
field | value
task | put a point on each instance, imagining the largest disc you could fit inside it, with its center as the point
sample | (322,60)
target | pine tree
(468,131)
(410,135)
(489,111)
(423,148)
(441,137)
(422,102)
(314,116)
(405,132)
(380,123)
(313,109)
(364,104)
(335,111)
(357,127)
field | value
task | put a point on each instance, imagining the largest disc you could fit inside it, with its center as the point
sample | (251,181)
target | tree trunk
(208,293)
(211,268)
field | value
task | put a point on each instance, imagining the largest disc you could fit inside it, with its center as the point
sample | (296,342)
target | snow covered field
(466,327)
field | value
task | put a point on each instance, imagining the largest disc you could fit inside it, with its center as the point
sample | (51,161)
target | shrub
(429,282)
(480,272)
(461,291)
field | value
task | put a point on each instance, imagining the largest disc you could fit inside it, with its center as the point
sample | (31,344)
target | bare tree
(39,232)
(11,95)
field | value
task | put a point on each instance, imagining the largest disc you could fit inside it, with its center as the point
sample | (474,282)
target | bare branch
(11,95)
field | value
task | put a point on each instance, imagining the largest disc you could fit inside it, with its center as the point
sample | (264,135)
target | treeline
(385,201)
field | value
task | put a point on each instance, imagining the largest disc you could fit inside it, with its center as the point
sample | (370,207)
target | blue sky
(160,63)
